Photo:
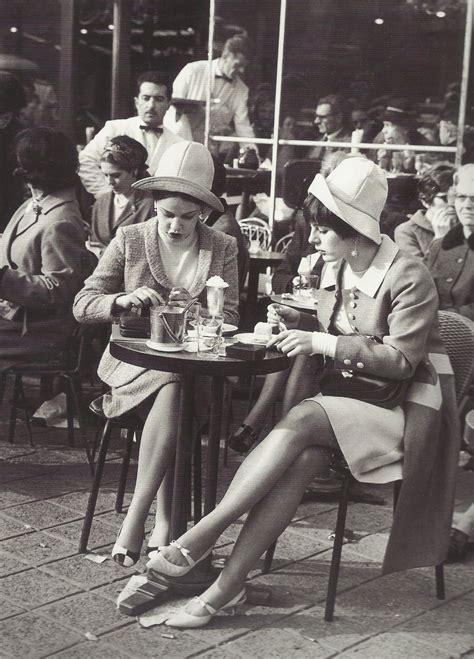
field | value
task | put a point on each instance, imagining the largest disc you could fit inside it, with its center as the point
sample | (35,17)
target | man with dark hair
(153,95)
(228,92)
(332,122)
(12,100)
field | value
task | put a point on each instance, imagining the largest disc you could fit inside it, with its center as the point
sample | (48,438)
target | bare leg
(156,452)
(301,383)
(306,425)
(265,522)
(272,388)
(160,534)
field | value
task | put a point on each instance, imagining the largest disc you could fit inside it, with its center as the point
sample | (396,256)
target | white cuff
(323,344)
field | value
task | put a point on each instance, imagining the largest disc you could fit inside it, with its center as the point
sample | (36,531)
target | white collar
(375,273)
(467,232)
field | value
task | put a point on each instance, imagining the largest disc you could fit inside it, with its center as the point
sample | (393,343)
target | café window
(387,78)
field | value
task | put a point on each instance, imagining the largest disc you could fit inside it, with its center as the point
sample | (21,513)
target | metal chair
(282,244)
(457,334)
(256,229)
(67,366)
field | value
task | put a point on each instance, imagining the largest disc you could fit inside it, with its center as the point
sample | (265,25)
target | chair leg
(122,484)
(86,527)
(3,383)
(268,560)
(337,549)
(197,478)
(397,486)
(76,393)
(69,414)
(14,408)
(440,588)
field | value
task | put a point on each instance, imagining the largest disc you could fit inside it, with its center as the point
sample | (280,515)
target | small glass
(305,287)
(209,333)
(191,332)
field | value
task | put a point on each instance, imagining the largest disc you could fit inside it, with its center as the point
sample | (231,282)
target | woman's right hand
(442,220)
(279,313)
(141,297)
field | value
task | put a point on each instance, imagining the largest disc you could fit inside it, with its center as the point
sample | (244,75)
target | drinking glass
(304,286)
(209,333)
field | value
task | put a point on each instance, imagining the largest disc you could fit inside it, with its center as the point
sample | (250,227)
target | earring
(201,216)
(354,251)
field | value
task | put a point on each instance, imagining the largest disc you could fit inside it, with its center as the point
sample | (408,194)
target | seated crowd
(158,228)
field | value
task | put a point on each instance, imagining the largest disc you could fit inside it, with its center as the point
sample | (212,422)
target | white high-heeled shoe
(160,564)
(186,620)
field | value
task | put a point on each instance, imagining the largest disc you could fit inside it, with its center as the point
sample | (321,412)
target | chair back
(297,176)
(259,231)
(282,244)
(457,334)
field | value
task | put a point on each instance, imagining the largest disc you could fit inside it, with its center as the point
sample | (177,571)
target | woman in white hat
(377,310)
(169,257)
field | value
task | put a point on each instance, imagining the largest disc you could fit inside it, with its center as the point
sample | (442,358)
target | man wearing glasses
(451,259)
(331,122)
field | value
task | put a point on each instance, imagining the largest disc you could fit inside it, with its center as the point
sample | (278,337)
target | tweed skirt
(370,437)
(127,396)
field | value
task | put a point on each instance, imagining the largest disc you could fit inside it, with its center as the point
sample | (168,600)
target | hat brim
(358,220)
(176,184)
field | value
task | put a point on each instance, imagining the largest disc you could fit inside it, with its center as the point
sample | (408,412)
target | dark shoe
(458,546)
(242,441)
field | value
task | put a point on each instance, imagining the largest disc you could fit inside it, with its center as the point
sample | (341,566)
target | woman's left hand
(179,296)
(293,342)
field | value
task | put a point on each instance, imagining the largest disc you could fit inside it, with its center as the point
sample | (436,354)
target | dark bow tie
(220,76)
(152,129)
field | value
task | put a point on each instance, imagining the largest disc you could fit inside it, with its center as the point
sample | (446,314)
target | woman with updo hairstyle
(123,162)
(438,215)
(43,259)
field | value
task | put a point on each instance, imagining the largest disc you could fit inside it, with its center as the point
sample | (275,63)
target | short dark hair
(127,154)
(237,45)
(316,212)
(12,93)
(436,179)
(164,194)
(338,103)
(157,78)
(46,158)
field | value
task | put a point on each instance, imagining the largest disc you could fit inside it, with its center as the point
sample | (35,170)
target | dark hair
(46,158)
(157,78)
(126,153)
(338,104)
(316,212)
(220,178)
(237,45)
(164,194)
(436,179)
(12,93)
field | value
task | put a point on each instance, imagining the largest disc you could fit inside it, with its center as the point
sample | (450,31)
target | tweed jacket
(133,259)
(396,303)
(89,158)
(139,208)
(451,263)
(415,235)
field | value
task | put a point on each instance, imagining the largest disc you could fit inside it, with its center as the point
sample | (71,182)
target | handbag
(383,392)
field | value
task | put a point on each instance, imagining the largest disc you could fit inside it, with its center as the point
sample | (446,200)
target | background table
(301,305)
(136,352)
(258,263)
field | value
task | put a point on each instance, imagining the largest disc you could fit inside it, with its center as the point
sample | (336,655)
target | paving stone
(77,501)
(8,451)
(397,646)
(361,518)
(222,652)
(85,612)
(45,488)
(8,609)
(32,588)
(38,548)
(41,514)
(10,497)
(278,643)
(10,471)
(9,528)
(92,650)
(84,573)
(101,533)
(151,643)
(51,457)
(112,590)
(10,564)
(34,636)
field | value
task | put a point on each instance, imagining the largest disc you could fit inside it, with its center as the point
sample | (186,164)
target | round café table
(309,306)
(136,352)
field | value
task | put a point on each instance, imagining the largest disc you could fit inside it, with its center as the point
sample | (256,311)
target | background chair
(457,334)
(257,229)
(282,244)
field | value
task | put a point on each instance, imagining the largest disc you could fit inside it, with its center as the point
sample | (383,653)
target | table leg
(215,424)
(252,297)
(181,489)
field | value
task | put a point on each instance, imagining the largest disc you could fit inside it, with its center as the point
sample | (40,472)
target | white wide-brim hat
(184,167)
(356,191)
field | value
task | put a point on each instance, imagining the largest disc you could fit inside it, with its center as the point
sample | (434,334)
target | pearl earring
(354,251)
(201,216)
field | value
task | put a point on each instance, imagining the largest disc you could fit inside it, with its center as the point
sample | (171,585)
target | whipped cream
(216,282)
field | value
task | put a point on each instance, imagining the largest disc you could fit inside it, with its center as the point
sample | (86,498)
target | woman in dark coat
(377,315)
(43,258)
(123,162)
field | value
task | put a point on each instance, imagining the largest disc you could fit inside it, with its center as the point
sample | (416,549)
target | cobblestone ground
(56,603)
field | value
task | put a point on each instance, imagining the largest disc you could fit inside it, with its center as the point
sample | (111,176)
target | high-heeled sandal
(123,556)
(186,620)
(243,439)
(160,564)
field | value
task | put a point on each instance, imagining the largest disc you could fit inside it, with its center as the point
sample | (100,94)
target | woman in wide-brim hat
(377,309)
(168,258)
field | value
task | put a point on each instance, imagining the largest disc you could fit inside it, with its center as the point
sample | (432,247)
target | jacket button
(351,295)
(360,365)
(449,279)
(347,362)
(459,260)
(353,305)
(352,316)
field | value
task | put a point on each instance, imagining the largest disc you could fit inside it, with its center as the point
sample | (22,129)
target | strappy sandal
(160,564)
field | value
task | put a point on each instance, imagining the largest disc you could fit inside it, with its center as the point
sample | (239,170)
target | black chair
(68,366)
(458,338)
(297,175)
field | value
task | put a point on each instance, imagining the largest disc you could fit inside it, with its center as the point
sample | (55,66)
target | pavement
(56,603)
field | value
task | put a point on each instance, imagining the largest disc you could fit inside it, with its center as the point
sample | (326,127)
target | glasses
(323,116)
(464,197)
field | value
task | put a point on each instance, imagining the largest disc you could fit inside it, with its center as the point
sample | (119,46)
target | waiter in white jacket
(153,95)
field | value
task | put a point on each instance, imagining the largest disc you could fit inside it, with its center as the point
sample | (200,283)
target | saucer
(164,347)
